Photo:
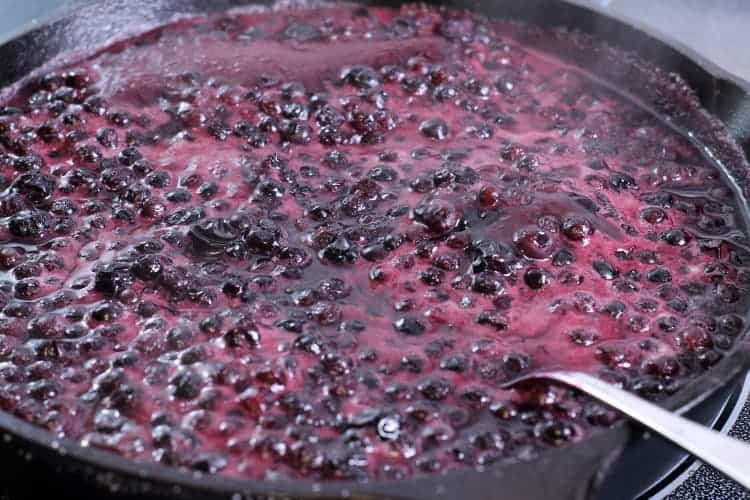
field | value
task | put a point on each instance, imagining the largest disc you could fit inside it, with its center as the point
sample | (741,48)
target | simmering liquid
(314,243)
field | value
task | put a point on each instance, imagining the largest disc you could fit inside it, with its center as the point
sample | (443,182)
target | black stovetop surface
(652,468)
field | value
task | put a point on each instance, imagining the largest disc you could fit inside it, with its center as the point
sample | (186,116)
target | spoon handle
(725,453)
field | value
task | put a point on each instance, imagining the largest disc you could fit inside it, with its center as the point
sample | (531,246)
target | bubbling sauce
(314,243)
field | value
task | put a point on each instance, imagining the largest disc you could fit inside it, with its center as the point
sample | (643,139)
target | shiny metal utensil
(726,454)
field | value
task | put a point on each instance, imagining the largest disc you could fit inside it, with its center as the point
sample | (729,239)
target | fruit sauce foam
(314,243)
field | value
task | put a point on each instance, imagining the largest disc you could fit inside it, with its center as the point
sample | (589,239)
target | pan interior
(703,217)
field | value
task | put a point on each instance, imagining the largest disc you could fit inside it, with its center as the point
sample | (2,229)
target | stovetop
(664,472)
(717,30)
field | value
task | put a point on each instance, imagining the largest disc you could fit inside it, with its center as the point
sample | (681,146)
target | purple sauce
(314,244)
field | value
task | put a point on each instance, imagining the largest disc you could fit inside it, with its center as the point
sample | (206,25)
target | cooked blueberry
(432,276)
(563,257)
(439,216)
(30,224)
(536,278)
(556,433)
(534,243)
(619,180)
(36,186)
(374,252)
(456,363)
(409,325)
(435,129)
(148,267)
(576,228)
(362,77)
(185,384)
(434,389)
(606,270)
(675,237)
(659,275)
(339,251)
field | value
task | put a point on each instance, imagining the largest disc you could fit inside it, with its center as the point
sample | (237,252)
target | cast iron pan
(572,472)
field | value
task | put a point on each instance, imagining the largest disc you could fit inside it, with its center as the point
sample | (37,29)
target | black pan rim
(13,428)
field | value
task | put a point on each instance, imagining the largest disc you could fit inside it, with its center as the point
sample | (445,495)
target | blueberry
(291,325)
(339,251)
(675,237)
(653,215)
(148,267)
(49,132)
(563,257)
(207,190)
(515,363)
(422,184)
(242,335)
(302,32)
(583,337)
(432,276)
(606,270)
(434,389)
(192,355)
(30,224)
(208,462)
(536,278)
(614,308)
(27,288)
(383,173)
(28,162)
(129,156)
(619,180)
(107,137)
(438,215)
(487,282)
(455,363)
(185,384)
(362,77)
(158,179)
(576,228)
(186,215)
(106,312)
(556,433)
(435,129)
(295,132)
(119,118)
(409,325)
(36,187)
(493,319)
(493,256)
(374,252)
(533,243)
(212,236)
(219,130)
(667,323)
(108,421)
(659,275)
(268,191)
(117,178)
(113,279)
(88,154)
(504,410)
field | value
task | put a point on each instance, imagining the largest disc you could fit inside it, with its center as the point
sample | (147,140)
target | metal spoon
(726,454)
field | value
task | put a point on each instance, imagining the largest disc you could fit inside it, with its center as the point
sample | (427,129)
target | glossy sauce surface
(314,243)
